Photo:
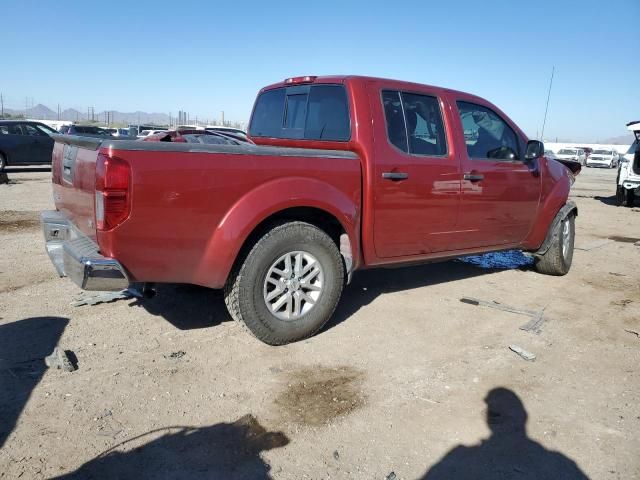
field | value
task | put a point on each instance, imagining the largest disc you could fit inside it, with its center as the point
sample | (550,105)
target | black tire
(3,162)
(245,289)
(629,198)
(621,194)
(557,260)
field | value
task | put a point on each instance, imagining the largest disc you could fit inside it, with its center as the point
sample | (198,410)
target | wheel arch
(291,199)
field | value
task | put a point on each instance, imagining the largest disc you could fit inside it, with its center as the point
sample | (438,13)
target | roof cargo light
(299,80)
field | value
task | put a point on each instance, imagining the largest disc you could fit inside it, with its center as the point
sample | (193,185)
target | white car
(628,181)
(575,154)
(607,158)
(146,133)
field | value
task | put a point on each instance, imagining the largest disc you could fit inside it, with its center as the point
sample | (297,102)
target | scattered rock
(61,360)
(336,455)
(391,476)
(530,357)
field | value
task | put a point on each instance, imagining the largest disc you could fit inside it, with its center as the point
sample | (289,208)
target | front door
(416,175)
(500,191)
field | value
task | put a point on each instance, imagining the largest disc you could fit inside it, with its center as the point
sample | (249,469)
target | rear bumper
(76,256)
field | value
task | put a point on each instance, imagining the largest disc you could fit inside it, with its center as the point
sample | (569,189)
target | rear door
(417,176)
(15,143)
(40,144)
(500,192)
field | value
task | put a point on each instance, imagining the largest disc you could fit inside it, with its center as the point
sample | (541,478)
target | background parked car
(146,133)
(550,154)
(607,158)
(25,143)
(85,131)
(576,154)
(235,132)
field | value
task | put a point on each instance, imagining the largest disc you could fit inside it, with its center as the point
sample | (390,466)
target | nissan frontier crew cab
(347,173)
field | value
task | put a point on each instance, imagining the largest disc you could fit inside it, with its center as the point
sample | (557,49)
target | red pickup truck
(347,173)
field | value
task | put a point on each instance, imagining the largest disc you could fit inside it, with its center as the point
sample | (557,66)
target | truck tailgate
(73,174)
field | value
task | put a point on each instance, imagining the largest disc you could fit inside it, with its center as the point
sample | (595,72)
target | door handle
(473,177)
(395,176)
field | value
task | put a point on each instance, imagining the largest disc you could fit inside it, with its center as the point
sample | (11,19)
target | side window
(424,125)
(15,129)
(32,131)
(414,123)
(396,129)
(486,134)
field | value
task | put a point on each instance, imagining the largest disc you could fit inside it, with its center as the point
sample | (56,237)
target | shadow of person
(508,452)
(23,346)
(224,451)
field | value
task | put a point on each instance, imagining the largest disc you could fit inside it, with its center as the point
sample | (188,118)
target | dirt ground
(406,382)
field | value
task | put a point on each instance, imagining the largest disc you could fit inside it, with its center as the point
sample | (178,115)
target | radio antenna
(546,109)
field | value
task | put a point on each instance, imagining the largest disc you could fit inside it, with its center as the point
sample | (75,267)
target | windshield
(566,151)
(603,152)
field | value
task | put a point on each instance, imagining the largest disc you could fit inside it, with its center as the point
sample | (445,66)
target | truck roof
(360,78)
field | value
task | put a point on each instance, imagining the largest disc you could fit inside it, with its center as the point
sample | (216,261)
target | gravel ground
(406,382)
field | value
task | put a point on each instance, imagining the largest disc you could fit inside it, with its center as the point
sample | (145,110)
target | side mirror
(535,149)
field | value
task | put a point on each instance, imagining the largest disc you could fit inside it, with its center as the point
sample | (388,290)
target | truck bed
(182,194)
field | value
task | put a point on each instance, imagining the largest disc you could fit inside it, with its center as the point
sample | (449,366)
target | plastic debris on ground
(528,356)
(106,297)
(59,359)
(507,260)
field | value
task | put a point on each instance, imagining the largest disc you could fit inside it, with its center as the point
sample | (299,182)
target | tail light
(113,191)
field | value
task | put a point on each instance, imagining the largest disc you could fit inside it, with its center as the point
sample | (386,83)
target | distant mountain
(42,112)
(621,140)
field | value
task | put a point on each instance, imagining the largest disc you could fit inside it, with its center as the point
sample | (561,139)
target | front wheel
(557,260)
(289,284)
(3,162)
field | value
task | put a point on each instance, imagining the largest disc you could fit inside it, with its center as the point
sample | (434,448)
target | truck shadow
(186,307)
(223,450)
(368,285)
(23,346)
(190,307)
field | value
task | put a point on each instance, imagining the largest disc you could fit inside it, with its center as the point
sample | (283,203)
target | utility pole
(1,106)
(58,111)
(222,115)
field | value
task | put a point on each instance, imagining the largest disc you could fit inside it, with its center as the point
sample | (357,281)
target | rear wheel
(557,260)
(288,285)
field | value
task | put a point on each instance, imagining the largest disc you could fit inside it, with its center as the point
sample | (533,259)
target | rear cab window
(306,112)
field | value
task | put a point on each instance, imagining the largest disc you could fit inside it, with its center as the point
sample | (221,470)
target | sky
(205,57)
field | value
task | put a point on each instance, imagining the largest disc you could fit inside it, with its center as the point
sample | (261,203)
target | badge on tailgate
(68,162)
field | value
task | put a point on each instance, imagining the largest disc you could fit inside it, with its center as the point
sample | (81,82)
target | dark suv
(24,142)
